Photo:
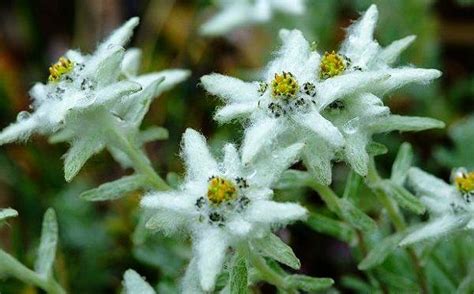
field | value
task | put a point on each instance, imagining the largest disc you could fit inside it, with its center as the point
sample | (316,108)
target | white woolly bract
(240,13)
(188,210)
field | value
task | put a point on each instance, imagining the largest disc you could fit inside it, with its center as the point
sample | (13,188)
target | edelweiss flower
(285,107)
(222,205)
(360,116)
(238,13)
(89,98)
(451,206)
(76,83)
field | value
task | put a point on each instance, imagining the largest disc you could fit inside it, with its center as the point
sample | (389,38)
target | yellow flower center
(63,66)
(465,182)
(284,85)
(220,190)
(332,64)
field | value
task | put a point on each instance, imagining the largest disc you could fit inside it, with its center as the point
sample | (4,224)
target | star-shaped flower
(77,83)
(222,204)
(239,13)
(451,206)
(360,116)
(286,106)
(96,101)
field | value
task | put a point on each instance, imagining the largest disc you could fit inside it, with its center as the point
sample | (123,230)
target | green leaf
(462,136)
(271,246)
(238,275)
(380,252)
(294,179)
(402,196)
(116,189)
(405,123)
(152,134)
(337,229)
(352,185)
(355,216)
(309,284)
(402,163)
(77,156)
(134,283)
(356,284)
(375,149)
(48,243)
(7,213)
(466,286)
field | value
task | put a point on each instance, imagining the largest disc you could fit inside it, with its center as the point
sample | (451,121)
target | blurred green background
(95,238)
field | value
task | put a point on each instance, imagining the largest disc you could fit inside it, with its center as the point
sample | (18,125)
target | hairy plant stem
(139,160)
(332,201)
(396,216)
(266,272)
(10,266)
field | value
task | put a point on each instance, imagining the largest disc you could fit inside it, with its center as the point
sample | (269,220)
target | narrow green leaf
(402,196)
(337,229)
(152,134)
(352,185)
(375,149)
(355,216)
(7,213)
(77,155)
(134,283)
(406,123)
(402,163)
(356,284)
(174,180)
(238,275)
(294,179)
(380,252)
(271,246)
(116,189)
(309,284)
(399,283)
(48,243)
(466,286)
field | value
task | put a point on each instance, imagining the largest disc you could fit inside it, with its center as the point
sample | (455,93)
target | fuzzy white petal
(402,76)
(347,84)
(230,89)
(105,67)
(190,283)
(266,174)
(131,62)
(172,77)
(321,127)
(293,57)
(173,200)
(199,161)
(426,184)
(227,20)
(261,133)
(239,227)
(39,93)
(293,7)
(390,54)
(356,154)
(116,92)
(231,162)
(19,130)
(134,283)
(235,111)
(359,43)
(317,158)
(120,36)
(274,213)
(210,248)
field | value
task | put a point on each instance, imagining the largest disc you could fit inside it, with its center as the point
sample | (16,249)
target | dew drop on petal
(351,126)
(23,115)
